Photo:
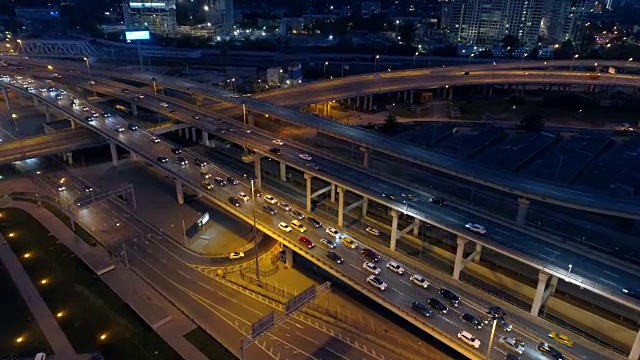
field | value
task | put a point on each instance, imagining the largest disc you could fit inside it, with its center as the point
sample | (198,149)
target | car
(205,175)
(634,293)
(51,88)
(550,351)
(88,119)
(465,73)
(296,224)
(220,181)
(469,339)
(155,140)
(349,242)
(132,127)
(561,338)
(419,280)
(94,114)
(503,322)
(124,91)
(62,188)
(297,214)
(390,196)
(207,185)
(199,162)
(278,142)
(511,344)
(164,104)
(106,114)
(118,129)
(85,109)
(314,222)
(312,166)
(421,308)
(495,312)
(372,231)
(437,201)
(285,227)
(335,257)
(395,267)
(87,188)
(234,201)
(195,117)
(244,197)
(474,321)
(511,357)
(232,180)
(140,96)
(476,228)
(284,206)
(270,199)
(376,282)
(371,267)
(333,232)
(236,255)
(269,210)
(411,197)
(370,254)
(275,151)
(172,111)
(438,305)
(328,243)
(163,159)
(305,157)
(58,97)
(176,150)
(450,296)
(91,82)
(57,76)
(181,161)
(307,242)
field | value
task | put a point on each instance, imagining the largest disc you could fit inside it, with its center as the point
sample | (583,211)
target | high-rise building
(158,16)
(220,15)
(487,22)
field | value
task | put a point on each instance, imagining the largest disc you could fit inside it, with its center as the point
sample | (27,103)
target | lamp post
(493,331)
(155,91)
(414,59)
(86,60)
(255,229)
(470,56)
(15,124)
(324,69)
(375,63)
(573,61)
(244,114)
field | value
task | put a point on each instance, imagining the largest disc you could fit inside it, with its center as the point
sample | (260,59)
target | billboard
(137,35)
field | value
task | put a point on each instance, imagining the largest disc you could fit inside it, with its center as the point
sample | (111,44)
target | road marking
(451,322)
(406,283)
(295,324)
(308,338)
(398,292)
(285,326)
(498,349)
(336,353)
(612,274)
(185,275)
(357,267)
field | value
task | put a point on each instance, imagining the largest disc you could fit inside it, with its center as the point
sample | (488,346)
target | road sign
(262,325)
(300,300)
(203,219)
(137,35)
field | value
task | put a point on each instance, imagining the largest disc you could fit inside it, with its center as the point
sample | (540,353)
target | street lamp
(470,56)
(493,331)
(86,60)
(155,92)
(414,59)
(573,61)
(255,229)
(15,124)
(375,63)
(324,69)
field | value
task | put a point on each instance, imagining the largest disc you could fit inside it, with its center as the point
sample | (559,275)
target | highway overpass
(60,142)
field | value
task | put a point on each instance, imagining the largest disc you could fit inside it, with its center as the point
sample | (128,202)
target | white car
(419,280)
(155,140)
(164,104)
(333,232)
(285,227)
(242,196)
(305,157)
(512,344)
(119,129)
(476,228)
(236,255)
(377,282)
(469,339)
(372,231)
(270,199)
(312,166)
(91,82)
(278,142)
(371,267)
(395,267)
(328,243)
(284,206)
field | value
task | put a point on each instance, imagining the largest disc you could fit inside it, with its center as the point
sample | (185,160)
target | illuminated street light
(20,339)
(27,255)
(573,61)
(375,62)
(86,60)
(103,336)
(12,235)
(44,281)
(49,67)
(324,69)
(206,8)
(414,59)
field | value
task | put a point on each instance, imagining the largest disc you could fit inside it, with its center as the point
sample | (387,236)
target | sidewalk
(158,312)
(55,336)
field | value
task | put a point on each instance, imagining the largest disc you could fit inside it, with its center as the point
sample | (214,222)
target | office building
(157,16)
(487,22)
(220,15)
(369,8)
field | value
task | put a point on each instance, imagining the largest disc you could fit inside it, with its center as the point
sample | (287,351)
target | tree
(565,51)
(532,122)
(390,124)
(511,43)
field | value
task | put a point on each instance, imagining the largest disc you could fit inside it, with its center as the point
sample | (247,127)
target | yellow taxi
(207,185)
(296,224)
(561,338)
(349,242)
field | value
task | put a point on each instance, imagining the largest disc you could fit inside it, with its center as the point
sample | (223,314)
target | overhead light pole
(414,59)
(493,332)
(252,178)
(573,61)
(375,63)
(324,69)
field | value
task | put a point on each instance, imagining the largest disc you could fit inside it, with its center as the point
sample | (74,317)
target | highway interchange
(138,137)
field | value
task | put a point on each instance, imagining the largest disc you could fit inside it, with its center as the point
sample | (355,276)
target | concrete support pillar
(340,205)
(399,95)
(258,173)
(523,208)
(47,114)
(179,192)
(288,257)
(635,348)
(450,93)
(333,193)
(193,135)
(205,138)
(538,297)
(365,206)
(405,95)
(64,156)
(394,230)
(491,91)
(70,158)
(251,119)
(416,227)
(308,178)
(35,101)
(364,105)
(134,109)
(114,154)
(186,133)
(411,98)
(357,99)
(283,171)
(365,156)
(459,263)
(553,284)
(370,102)
(5,94)
(477,253)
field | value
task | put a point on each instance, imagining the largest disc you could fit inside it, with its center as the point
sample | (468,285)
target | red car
(306,241)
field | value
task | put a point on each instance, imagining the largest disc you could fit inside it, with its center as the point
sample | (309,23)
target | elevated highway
(48,144)
(404,80)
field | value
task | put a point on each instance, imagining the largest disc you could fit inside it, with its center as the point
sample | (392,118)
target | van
(40,356)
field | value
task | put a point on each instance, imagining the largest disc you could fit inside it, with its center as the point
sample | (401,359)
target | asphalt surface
(141,141)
